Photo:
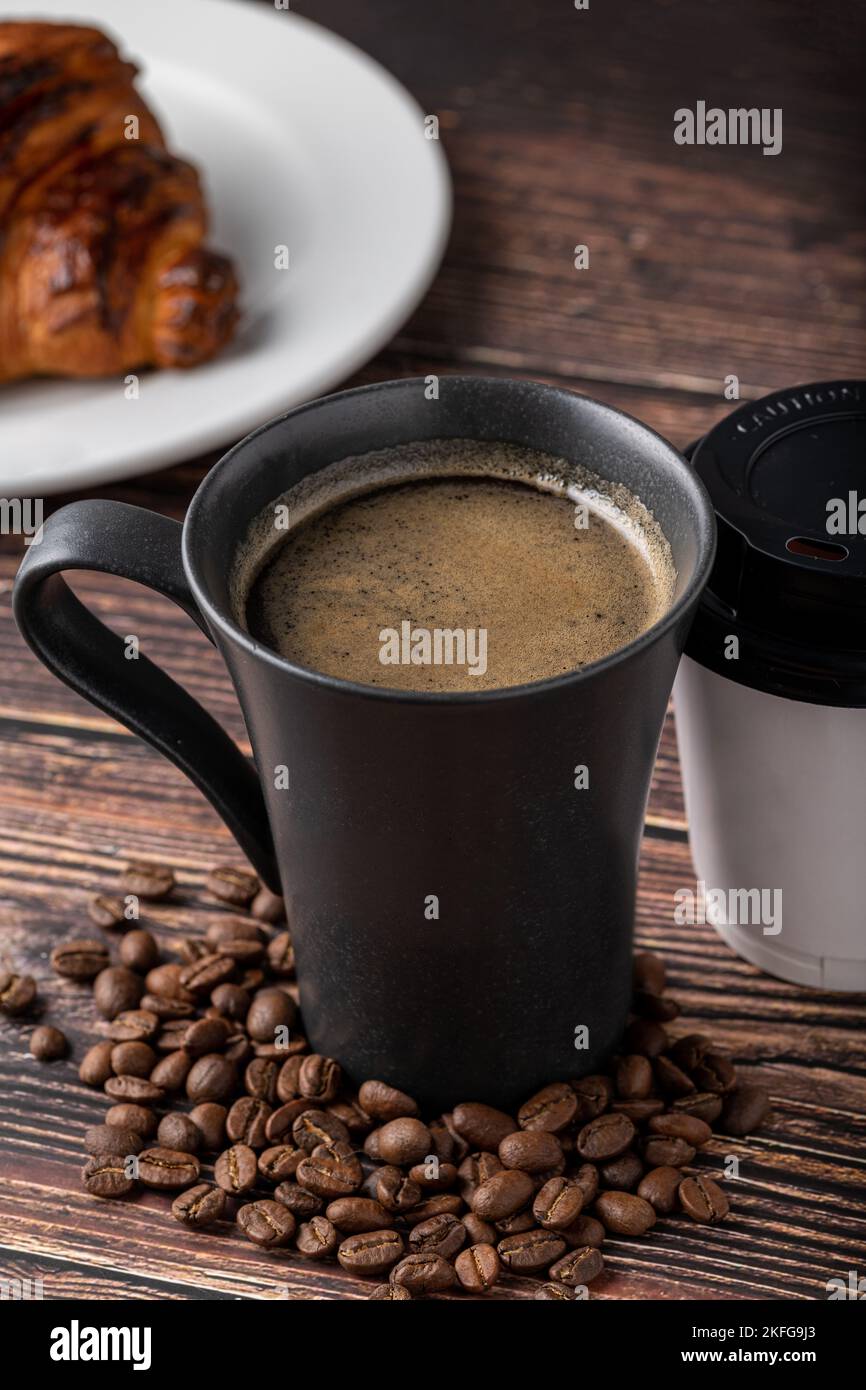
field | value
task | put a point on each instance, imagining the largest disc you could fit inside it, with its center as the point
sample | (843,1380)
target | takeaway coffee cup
(395,796)
(770,699)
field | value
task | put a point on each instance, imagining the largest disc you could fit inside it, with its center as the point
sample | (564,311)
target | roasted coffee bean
(133,1059)
(134,1026)
(203,975)
(554,1293)
(172,1070)
(624,1172)
(624,1213)
(638,1110)
(558,1204)
(266,1223)
(199,1206)
(280,1162)
(80,960)
(104,1176)
(171,1035)
(280,1125)
(393,1293)
(147,880)
(243,953)
(355,1215)
(481,1126)
(352,1116)
(138,1118)
(687,1052)
(111,1141)
(584,1231)
(48,1044)
(373,1252)
(319,1078)
(422,1274)
(236,1170)
(704,1104)
(532,1150)
(594,1094)
(530,1251)
(395,1191)
(267,906)
(17,993)
(578,1267)
(210,1120)
(247,1122)
(435,1176)
(167,1010)
(205,1035)
(167,1168)
(502,1195)
(164,981)
(477,1231)
(179,1132)
(330,1172)
(679,1126)
(586,1178)
(271,1009)
(95,1066)
(301,1204)
(659,1152)
(281,956)
(478,1268)
(654,1006)
(317,1239)
(515,1225)
(106,911)
(649,972)
(212,1077)
(744,1110)
(232,1001)
(443,1204)
(239,1050)
(605,1137)
(671,1078)
(288,1080)
(645,1037)
(231,928)
(703,1200)
(440,1235)
(476,1169)
(553,1108)
(138,951)
(235,886)
(135,1088)
(260,1079)
(714,1073)
(192,949)
(116,989)
(634,1077)
(404,1141)
(314,1127)
(660,1187)
(459,1148)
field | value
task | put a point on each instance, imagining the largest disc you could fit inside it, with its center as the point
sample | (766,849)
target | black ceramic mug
(397,796)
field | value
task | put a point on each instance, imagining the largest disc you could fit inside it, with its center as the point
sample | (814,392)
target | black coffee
(468,582)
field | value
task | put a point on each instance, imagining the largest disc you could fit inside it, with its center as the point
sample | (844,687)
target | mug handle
(116,538)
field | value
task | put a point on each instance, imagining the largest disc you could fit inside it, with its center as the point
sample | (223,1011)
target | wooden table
(703,263)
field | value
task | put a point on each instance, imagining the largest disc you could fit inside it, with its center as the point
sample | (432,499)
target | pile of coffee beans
(218,1102)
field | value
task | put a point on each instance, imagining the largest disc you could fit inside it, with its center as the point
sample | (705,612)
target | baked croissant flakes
(103,266)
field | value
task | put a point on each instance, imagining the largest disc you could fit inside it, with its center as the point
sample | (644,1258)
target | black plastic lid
(790,589)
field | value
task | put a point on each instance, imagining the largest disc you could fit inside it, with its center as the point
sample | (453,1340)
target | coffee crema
(452,565)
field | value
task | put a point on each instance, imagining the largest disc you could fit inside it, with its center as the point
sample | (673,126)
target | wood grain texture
(702,263)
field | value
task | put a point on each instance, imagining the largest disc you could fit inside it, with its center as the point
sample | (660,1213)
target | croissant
(103,266)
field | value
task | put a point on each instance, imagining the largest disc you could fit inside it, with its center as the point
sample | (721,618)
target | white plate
(303,141)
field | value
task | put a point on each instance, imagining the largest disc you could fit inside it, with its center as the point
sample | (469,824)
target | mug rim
(225,622)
